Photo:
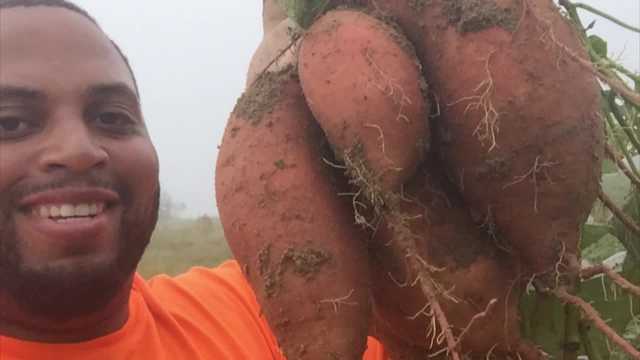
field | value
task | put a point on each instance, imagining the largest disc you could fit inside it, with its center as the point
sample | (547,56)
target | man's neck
(17,323)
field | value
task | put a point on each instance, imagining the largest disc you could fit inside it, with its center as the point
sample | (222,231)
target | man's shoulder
(224,283)
(216,299)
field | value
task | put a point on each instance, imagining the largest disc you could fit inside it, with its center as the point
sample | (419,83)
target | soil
(260,98)
(305,262)
(497,168)
(418,5)
(477,15)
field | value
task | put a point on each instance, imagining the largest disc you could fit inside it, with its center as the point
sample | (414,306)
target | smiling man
(78,177)
(78,203)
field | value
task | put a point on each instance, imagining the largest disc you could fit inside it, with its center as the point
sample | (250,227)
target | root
(391,88)
(613,275)
(477,317)
(538,167)
(490,228)
(368,185)
(382,144)
(488,128)
(559,264)
(425,310)
(398,283)
(438,112)
(405,239)
(507,298)
(337,302)
(593,316)
(490,353)
(523,14)
(334,165)
(429,291)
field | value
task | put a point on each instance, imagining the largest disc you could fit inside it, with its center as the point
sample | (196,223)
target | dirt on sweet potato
(288,223)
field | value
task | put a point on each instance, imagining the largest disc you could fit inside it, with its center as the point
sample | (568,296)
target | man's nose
(71,146)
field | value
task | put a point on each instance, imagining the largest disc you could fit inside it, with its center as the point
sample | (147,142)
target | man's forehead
(34,39)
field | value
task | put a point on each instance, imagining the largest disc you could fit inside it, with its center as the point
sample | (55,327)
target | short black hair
(5,4)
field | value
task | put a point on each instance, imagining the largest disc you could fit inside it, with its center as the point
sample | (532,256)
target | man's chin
(69,288)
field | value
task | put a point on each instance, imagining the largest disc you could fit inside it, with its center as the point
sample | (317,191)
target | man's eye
(14,127)
(115,121)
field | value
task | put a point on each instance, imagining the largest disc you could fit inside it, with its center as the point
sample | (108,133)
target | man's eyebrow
(113,89)
(20,92)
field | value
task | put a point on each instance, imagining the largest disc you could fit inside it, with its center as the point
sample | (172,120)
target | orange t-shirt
(202,314)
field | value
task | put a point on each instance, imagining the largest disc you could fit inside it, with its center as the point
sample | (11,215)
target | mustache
(64,181)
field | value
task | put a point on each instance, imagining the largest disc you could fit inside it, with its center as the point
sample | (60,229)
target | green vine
(304,12)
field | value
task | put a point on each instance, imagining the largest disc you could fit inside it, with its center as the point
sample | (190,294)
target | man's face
(78,173)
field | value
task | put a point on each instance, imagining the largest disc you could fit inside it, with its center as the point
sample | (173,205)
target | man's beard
(67,292)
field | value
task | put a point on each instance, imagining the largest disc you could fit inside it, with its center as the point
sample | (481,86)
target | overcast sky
(191,57)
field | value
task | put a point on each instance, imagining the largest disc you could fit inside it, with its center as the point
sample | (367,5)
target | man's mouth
(73,214)
(67,212)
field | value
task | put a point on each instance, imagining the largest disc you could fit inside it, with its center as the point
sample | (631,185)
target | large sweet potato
(519,131)
(363,84)
(287,227)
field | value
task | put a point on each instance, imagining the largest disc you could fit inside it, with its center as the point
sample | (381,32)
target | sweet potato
(362,82)
(519,131)
(288,228)
(470,272)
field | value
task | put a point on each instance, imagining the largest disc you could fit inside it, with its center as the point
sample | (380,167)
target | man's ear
(272,15)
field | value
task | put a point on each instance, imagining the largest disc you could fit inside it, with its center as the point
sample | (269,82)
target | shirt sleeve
(217,307)
(226,307)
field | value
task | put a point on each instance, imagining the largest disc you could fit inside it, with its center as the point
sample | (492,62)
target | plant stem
(618,86)
(624,218)
(621,145)
(592,315)
(617,278)
(571,344)
(573,15)
(606,16)
(606,62)
(603,73)
(585,339)
(611,152)
(617,114)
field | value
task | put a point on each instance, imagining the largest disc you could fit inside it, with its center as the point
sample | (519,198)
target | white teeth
(82,210)
(69,210)
(54,211)
(44,212)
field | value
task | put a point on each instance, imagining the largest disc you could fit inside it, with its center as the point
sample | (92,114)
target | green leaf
(592,233)
(609,167)
(599,45)
(543,320)
(617,186)
(304,12)
(631,334)
(602,249)
(543,317)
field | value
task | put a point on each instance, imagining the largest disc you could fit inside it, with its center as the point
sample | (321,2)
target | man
(78,202)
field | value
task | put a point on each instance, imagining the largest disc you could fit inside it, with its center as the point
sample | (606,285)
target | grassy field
(179,244)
